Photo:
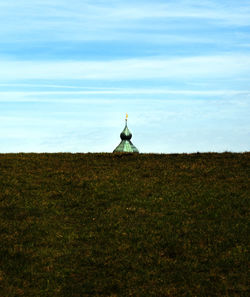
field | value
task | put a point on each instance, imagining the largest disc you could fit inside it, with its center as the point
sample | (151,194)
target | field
(124,224)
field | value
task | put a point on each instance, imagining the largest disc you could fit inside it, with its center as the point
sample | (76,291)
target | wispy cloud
(36,96)
(206,66)
(98,20)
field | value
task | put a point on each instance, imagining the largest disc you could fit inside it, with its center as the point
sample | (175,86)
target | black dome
(126,134)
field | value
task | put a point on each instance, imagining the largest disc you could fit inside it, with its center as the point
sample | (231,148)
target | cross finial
(126,116)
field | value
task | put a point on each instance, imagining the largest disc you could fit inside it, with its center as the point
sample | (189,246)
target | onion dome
(126,146)
(126,134)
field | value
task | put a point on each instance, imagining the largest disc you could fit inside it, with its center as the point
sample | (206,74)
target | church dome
(126,134)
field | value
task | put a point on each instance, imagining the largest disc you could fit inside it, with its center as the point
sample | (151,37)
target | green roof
(126,145)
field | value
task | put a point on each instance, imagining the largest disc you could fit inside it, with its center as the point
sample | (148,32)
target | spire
(126,145)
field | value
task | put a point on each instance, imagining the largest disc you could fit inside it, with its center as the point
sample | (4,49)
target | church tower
(126,146)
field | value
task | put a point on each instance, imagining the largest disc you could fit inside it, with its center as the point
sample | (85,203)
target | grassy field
(124,225)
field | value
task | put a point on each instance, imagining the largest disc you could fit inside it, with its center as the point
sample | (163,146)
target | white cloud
(42,96)
(129,10)
(130,69)
(109,20)
(50,86)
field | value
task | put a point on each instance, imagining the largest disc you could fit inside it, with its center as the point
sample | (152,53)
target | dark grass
(124,225)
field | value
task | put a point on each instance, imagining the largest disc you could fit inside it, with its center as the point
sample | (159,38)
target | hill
(124,224)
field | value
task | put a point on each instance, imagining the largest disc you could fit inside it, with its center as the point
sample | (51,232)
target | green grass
(124,225)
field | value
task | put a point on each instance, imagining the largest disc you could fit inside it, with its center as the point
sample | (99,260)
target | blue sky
(70,70)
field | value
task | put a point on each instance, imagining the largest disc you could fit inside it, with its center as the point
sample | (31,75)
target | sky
(71,70)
